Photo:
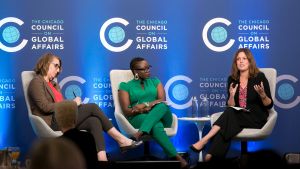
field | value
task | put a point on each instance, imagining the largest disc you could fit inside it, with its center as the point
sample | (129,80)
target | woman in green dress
(142,100)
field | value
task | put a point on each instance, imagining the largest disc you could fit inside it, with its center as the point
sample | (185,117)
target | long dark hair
(253,70)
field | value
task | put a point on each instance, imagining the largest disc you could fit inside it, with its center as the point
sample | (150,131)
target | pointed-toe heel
(196,150)
(133,144)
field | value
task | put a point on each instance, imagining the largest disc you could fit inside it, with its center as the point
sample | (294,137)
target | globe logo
(116,34)
(11,34)
(219,34)
(286,91)
(180,92)
(73,91)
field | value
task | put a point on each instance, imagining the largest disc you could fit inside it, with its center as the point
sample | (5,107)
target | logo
(251,33)
(218,35)
(116,35)
(286,92)
(7,93)
(212,88)
(150,34)
(47,34)
(179,92)
(101,92)
(73,90)
(11,35)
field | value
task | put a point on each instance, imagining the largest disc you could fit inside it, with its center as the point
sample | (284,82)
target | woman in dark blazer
(44,93)
(249,89)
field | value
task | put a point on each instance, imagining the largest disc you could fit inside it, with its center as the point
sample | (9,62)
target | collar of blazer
(54,83)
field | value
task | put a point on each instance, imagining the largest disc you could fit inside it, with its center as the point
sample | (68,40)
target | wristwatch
(146,104)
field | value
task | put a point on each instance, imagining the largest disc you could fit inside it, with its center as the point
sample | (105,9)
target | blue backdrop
(190,45)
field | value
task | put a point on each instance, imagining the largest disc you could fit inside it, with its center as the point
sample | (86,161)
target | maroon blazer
(41,98)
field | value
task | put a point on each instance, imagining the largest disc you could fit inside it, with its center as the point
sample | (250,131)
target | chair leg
(244,147)
(244,155)
(147,155)
(146,148)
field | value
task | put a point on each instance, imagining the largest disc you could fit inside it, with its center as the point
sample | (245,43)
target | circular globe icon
(11,34)
(73,91)
(286,91)
(116,34)
(219,34)
(180,92)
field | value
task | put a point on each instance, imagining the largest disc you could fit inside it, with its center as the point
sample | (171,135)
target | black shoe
(196,150)
(143,137)
(133,144)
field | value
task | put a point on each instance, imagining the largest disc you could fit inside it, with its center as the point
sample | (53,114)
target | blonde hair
(253,70)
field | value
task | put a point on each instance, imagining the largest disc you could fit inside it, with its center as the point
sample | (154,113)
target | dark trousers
(231,122)
(91,118)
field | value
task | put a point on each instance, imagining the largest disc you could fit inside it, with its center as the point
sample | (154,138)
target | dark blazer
(41,98)
(259,112)
(86,143)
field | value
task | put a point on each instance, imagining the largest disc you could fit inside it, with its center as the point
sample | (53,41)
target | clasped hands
(145,107)
(140,108)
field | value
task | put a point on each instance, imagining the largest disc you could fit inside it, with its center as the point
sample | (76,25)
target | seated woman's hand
(139,106)
(137,109)
(77,100)
(146,109)
(260,89)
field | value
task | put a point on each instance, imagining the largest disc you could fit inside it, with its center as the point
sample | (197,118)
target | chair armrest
(214,117)
(124,125)
(172,131)
(41,128)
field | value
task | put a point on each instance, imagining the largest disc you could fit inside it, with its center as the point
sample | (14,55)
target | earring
(136,76)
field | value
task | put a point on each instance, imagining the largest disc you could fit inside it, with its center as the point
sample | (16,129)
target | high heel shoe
(196,150)
(140,136)
(133,144)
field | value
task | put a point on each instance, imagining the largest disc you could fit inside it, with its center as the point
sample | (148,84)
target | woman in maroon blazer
(44,93)
(247,88)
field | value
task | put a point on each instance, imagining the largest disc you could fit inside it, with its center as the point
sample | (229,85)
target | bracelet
(146,104)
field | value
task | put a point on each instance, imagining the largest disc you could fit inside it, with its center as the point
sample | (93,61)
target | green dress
(154,121)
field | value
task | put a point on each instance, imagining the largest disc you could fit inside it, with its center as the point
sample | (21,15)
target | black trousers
(231,122)
(91,118)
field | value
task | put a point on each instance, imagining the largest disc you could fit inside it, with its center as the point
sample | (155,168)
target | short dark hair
(134,61)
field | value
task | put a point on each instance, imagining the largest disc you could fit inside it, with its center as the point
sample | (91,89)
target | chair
(249,134)
(40,127)
(116,77)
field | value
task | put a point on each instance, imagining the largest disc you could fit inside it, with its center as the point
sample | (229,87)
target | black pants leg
(93,125)
(231,123)
(219,146)
(91,118)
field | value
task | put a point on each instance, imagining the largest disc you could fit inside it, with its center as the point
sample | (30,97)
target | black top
(254,102)
(86,144)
